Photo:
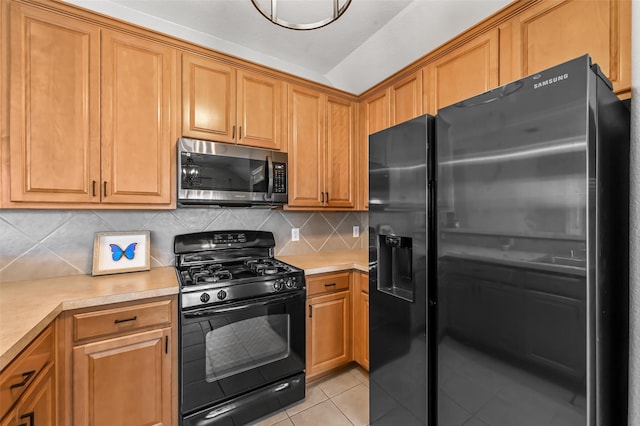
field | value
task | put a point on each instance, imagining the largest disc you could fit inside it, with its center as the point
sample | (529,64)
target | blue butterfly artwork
(117,252)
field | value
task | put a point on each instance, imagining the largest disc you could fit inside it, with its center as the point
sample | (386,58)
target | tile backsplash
(46,243)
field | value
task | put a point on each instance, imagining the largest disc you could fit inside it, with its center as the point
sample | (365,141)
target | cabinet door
(306,147)
(138,96)
(555,333)
(501,309)
(556,31)
(55,107)
(365,328)
(37,406)
(260,111)
(467,71)
(406,98)
(361,319)
(123,381)
(340,155)
(328,332)
(208,99)
(465,316)
(375,115)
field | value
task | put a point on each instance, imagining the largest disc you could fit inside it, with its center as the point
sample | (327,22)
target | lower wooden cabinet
(328,325)
(361,319)
(121,365)
(27,385)
(37,407)
(123,381)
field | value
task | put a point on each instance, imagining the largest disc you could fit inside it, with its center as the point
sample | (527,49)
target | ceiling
(371,41)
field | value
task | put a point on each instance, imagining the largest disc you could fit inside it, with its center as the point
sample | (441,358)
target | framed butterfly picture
(116,252)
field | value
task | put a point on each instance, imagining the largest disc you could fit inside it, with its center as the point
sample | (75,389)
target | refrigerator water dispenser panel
(395,267)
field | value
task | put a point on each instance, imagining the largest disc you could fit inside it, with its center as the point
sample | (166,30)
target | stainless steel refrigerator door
(513,198)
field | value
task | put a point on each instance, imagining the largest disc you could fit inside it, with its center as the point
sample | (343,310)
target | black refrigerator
(526,280)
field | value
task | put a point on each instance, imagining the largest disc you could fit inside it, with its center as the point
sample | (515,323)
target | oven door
(232,349)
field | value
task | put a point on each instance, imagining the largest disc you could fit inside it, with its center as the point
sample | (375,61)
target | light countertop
(28,307)
(318,263)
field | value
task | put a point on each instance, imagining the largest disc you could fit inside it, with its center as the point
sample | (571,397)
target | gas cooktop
(223,266)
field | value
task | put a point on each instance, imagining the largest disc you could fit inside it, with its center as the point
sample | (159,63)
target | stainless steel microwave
(213,173)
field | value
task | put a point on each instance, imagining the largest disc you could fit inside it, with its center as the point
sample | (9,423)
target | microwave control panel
(280,178)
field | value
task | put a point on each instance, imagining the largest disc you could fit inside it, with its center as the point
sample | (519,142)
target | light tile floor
(341,399)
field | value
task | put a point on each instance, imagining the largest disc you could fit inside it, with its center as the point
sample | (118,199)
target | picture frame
(119,252)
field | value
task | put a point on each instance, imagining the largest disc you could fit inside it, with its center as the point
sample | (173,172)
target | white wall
(634,237)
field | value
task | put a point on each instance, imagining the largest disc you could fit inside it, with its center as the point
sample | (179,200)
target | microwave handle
(269,195)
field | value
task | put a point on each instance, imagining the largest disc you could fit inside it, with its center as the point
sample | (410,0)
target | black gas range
(242,327)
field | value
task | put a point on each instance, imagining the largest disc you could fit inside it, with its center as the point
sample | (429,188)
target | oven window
(246,344)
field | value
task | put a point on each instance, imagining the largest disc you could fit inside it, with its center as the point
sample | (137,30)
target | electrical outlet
(356,231)
(295,234)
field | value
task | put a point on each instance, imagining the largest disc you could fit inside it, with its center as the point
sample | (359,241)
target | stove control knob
(222,294)
(204,297)
(277,286)
(291,282)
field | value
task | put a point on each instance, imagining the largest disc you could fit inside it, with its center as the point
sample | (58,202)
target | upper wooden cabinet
(321,150)
(55,107)
(552,32)
(90,122)
(340,153)
(375,115)
(406,98)
(226,104)
(138,94)
(469,70)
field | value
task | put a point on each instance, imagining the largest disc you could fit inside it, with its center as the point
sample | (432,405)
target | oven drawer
(20,374)
(121,320)
(326,283)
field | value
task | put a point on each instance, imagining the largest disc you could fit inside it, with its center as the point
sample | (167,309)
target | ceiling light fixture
(301,14)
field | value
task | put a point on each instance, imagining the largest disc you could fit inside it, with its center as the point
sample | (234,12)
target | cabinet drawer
(556,284)
(326,283)
(485,271)
(19,375)
(121,320)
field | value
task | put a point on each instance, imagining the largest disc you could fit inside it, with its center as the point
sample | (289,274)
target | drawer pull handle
(310,311)
(330,285)
(25,378)
(29,416)
(118,321)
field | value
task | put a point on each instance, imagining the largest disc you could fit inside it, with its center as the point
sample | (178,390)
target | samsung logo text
(550,81)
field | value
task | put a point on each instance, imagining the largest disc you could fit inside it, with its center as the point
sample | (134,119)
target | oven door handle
(250,304)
